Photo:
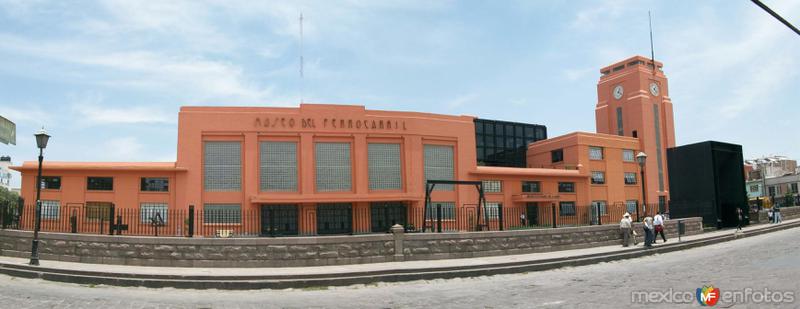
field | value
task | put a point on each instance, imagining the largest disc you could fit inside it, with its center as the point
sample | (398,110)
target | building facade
(5,172)
(337,169)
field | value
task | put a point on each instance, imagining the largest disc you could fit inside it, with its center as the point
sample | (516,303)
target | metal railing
(285,220)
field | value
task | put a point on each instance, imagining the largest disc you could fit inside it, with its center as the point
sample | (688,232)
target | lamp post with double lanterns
(41,142)
(641,158)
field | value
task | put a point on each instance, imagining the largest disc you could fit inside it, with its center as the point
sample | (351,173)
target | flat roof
(525,171)
(106,166)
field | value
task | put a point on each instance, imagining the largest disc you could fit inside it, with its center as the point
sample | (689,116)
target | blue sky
(107,78)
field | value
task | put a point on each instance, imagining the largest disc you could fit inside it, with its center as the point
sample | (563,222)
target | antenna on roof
(302,78)
(652,51)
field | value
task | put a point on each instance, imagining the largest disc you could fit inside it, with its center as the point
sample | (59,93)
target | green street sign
(8,131)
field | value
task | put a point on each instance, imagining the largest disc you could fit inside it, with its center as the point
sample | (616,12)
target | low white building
(5,173)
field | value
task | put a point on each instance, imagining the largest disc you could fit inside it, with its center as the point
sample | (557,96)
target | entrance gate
(383,215)
(279,220)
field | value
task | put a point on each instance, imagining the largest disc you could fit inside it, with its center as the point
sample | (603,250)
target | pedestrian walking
(522,219)
(658,221)
(626,230)
(776,213)
(649,234)
(739,218)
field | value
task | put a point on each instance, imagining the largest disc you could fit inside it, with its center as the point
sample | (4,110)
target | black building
(504,143)
(707,180)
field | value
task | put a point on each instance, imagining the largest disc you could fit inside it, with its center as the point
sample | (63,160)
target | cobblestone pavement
(768,261)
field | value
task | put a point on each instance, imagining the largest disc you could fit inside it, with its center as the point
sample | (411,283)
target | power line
(778,17)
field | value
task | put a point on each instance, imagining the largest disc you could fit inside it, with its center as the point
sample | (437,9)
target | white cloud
(123,149)
(99,114)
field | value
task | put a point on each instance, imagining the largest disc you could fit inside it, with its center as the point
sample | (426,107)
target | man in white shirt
(627,232)
(658,221)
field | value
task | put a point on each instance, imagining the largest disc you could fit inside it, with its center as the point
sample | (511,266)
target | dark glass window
(155,184)
(51,182)
(503,143)
(100,183)
(531,186)
(566,208)
(334,218)
(566,187)
(557,155)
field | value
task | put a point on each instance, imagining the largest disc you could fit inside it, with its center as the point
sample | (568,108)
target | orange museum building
(320,158)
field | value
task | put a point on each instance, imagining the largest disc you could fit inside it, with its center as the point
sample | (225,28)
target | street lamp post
(641,158)
(41,142)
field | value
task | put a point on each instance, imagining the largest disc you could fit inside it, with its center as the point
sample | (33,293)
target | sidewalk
(356,273)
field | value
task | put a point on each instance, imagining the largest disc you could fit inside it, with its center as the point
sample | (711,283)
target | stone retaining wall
(310,251)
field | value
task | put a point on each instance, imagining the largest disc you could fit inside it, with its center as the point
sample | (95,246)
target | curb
(342,279)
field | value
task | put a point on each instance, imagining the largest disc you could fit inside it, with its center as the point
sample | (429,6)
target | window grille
(50,209)
(384,166)
(439,165)
(531,186)
(566,208)
(493,210)
(153,212)
(334,172)
(601,205)
(630,206)
(630,178)
(627,155)
(566,187)
(598,178)
(100,183)
(222,213)
(222,166)
(97,210)
(448,210)
(155,184)
(596,153)
(334,218)
(492,186)
(278,166)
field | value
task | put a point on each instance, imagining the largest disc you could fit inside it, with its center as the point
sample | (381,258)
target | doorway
(383,215)
(532,212)
(279,220)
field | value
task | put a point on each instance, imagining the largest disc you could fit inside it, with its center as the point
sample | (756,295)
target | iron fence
(285,220)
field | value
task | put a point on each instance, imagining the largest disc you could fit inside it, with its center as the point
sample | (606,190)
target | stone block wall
(786,213)
(311,251)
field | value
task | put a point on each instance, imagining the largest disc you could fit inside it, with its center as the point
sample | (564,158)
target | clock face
(654,89)
(617,92)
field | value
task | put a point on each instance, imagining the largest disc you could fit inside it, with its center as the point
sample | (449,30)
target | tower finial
(302,77)
(652,50)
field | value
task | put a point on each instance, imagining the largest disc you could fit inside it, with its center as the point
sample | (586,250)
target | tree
(7,197)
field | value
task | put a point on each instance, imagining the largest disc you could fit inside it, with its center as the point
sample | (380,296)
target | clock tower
(633,101)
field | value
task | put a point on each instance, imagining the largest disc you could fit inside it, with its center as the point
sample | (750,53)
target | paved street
(769,261)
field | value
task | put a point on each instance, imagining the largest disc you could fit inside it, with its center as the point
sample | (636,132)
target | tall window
(222,166)
(566,208)
(334,171)
(384,166)
(100,183)
(557,155)
(492,186)
(50,209)
(51,182)
(155,184)
(620,132)
(753,188)
(150,213)
(771,190)
(656,120)
(531,186)
(627,155)
(596,153)
(630,206)
(493,210)
(448,210)
(566,187)
(630,178)
(278,166)
(222,213)
(598,178)
(794,187)
(439,165)
(601,205)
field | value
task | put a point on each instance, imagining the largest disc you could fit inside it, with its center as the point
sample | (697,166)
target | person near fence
(776,213)
(522,219)
(627,231)
(649,234)
(770,216)
(658,222)
(739,219)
